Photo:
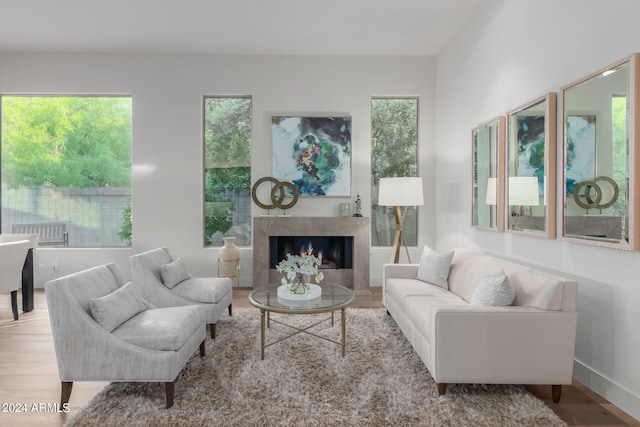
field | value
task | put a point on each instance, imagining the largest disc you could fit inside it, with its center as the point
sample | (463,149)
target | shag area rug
(304,381)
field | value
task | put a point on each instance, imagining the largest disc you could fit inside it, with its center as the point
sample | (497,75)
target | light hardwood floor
(29,375)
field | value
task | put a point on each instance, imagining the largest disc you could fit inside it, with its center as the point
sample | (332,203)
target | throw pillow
(173,273)
(434,267)
(113,309)
(493,290)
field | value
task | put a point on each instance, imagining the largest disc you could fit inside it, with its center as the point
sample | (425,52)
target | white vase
(229,256)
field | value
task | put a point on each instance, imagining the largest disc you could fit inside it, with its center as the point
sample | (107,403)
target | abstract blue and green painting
(313,153)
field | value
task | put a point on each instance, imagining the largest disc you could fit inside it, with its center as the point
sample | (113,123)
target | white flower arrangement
(303,264)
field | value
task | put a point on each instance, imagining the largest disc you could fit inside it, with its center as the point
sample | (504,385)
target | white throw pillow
(173,273)
(493,290)
(113,309)
(434,267)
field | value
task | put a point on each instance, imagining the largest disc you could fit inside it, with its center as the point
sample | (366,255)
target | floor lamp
(400,192)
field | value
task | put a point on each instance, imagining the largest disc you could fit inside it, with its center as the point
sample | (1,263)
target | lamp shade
(400,191)
(523,191)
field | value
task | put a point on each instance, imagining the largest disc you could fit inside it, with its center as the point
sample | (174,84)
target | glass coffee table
(332,298)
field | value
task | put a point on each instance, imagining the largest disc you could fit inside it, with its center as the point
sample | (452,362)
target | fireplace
(346,240)
(335,252)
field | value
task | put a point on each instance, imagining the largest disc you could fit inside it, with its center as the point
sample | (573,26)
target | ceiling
(276,27)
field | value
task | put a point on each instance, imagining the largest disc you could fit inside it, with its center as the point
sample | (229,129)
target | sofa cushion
(418,309)
(173,273)
(493,290)
(204,289)
(113,309)
(434,267)
(166,329)
(400,288)
(534,288)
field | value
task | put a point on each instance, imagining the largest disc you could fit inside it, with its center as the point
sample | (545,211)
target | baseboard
(615,393)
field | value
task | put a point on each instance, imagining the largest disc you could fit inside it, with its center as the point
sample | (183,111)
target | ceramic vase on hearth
(229,256)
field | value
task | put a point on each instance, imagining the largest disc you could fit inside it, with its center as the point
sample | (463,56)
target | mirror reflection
(597,150)
(531,148)
(487,203)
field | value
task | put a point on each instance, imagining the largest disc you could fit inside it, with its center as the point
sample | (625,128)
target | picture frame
(313,153)
(345,209)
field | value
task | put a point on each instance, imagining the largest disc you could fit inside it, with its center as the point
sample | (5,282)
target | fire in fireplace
(336,252)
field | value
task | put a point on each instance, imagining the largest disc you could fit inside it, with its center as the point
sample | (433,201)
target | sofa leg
(556,392)
(202,349)
(230,310)
(212,326)
(442,389)
(14,304)
(170,390)
(65,395)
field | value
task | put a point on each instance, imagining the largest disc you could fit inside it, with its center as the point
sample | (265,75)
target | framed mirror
(531,168)
(487,148)
(599,183)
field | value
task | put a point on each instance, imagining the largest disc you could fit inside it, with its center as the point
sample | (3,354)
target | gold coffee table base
(267,314)
(332,298)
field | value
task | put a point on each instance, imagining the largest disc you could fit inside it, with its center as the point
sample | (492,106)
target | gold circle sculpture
(277,194)
(591,202)
(280,191)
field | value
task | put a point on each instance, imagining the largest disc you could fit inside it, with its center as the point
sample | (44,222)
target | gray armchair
(104,331)
(12,256)
(213,292)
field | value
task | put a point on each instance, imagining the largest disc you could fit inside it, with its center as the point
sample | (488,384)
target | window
(394,152)
(227,170)
(68,159)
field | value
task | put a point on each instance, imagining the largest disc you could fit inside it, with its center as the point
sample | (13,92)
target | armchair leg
(14,304)
(170,388)
(212,326)
(442,389)
(65,395)
(202,349)
(556,392)
(230,310)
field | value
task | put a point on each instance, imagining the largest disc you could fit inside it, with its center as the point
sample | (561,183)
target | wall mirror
(487,183)
(600,156)
(531,168)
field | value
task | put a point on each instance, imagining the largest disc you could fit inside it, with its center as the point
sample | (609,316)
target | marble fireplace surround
(358,227)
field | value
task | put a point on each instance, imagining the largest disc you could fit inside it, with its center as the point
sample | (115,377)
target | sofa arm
(502,345)
(402,271)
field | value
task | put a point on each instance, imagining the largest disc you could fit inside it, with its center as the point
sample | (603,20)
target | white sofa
(530,342)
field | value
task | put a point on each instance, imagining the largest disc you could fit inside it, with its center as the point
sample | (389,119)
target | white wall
(510,53)
(167,133)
